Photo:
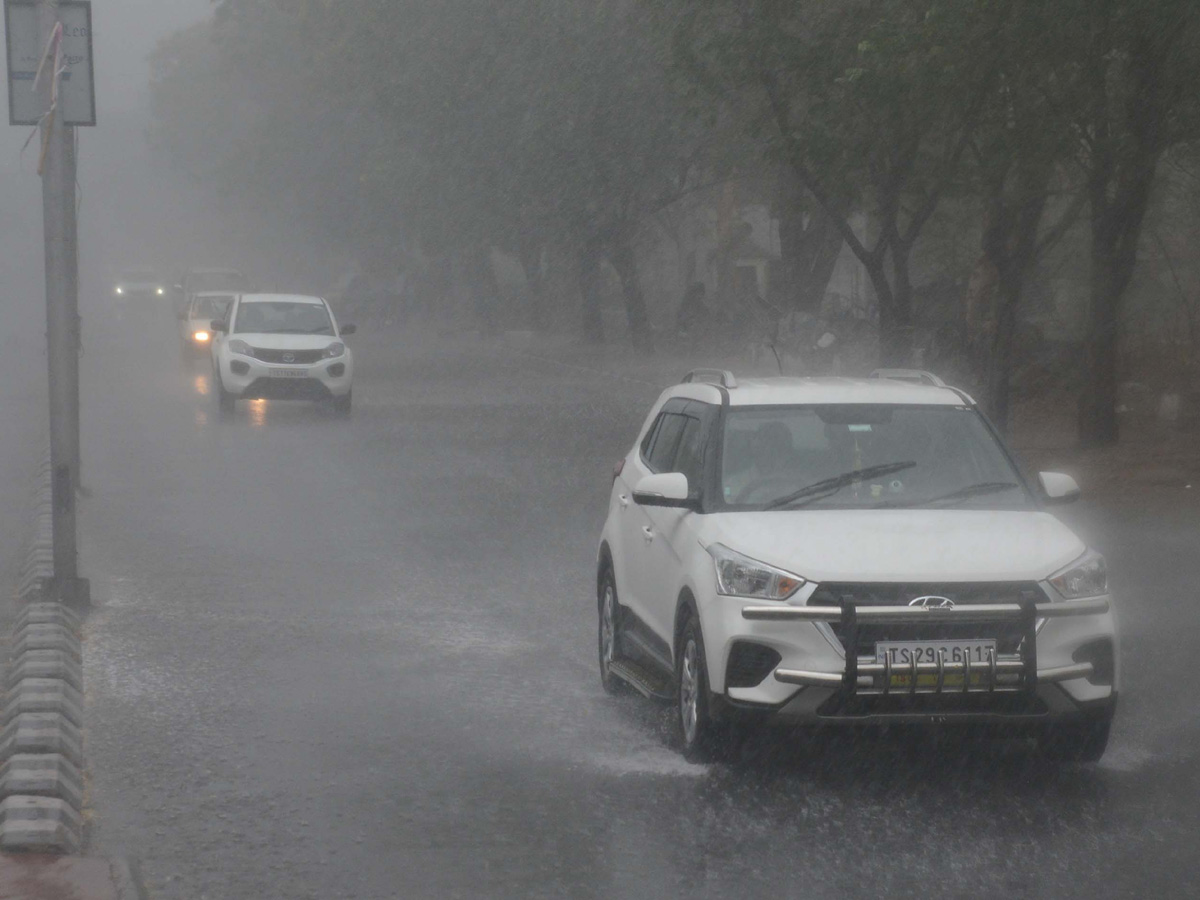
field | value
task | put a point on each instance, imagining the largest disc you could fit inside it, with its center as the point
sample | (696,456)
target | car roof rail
(722,377)
(920,376)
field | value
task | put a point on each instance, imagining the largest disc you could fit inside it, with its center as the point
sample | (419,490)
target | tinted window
(690,458)
(666,442)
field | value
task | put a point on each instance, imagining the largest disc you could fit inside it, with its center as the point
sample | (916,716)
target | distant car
(282,347)
(195,328)
(206,280)
(139,283)
(837,551)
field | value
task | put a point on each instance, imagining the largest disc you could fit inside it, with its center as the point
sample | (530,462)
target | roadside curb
(41,723)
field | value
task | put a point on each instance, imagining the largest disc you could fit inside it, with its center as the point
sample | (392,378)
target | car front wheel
(226,402)
(703,739)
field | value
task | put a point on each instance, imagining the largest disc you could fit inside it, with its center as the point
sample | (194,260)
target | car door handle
(648,533)
(624,500)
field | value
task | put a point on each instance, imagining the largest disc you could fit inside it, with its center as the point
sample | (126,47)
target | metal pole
(58,211)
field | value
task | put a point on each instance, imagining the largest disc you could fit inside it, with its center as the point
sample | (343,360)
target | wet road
(356,659)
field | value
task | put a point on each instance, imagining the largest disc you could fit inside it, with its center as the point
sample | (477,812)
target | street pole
(62,325)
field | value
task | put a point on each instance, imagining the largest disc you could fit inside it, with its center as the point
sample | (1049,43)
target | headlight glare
(741,576)
(201,336)
(241,348)
(334,350)
(1087,577)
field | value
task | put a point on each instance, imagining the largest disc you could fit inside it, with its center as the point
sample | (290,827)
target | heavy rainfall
(602,448)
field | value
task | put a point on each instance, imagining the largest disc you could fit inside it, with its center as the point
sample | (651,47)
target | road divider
(41,725)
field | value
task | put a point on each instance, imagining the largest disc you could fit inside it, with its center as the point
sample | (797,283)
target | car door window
(689,459)
(666,442)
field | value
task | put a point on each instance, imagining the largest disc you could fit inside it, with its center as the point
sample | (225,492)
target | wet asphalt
(356,659)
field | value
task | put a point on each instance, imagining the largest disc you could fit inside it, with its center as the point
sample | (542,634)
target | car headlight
(120,290)
(161,292)
(1086,577)
(201,336)
(334,350)
(241,348)
(741,576)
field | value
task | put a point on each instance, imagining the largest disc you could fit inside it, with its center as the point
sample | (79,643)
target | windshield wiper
(965,493)
(832,485)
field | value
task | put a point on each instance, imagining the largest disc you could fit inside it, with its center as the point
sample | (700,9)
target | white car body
(195,325)
(282,366)
(664,574)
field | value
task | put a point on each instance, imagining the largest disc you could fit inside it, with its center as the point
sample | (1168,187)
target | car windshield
(210,307)
(282,317)
(138,276)
(865,457)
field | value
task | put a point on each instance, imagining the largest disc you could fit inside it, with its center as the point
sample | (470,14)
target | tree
(1138,63)
(871,104)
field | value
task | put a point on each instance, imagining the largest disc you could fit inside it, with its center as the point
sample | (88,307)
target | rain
(501,420)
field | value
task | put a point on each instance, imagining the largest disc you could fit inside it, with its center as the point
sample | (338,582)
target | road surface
(339,659)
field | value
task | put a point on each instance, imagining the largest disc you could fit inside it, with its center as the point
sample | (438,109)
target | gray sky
(126,32)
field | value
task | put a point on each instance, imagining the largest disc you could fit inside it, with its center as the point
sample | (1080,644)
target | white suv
(856,551)
(281,347)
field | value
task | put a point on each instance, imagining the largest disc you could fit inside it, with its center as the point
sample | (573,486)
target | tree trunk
(810,244)
(589,293)
(1098,425)
(998,401)
(623,260)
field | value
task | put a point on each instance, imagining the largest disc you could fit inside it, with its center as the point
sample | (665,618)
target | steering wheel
(786,479)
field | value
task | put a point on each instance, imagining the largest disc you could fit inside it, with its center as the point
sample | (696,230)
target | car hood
(286,341)
(903,545)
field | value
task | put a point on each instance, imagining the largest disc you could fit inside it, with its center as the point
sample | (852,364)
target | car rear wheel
(703,738)
(1079,742)
(609,633)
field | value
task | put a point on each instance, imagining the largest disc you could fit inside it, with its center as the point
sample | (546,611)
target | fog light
(201,336)
(237,367)
(1100,655)
(337,370)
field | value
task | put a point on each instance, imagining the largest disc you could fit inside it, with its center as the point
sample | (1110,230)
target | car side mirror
(1058,488)
(217,327)
(668,489)
(348,329)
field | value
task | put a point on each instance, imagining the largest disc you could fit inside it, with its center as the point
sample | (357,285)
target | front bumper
(1048,675)
(254,379)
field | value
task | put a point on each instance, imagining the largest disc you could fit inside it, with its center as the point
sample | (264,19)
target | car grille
(298,357)
(1008,636)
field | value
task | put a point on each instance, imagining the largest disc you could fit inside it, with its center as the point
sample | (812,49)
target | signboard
(76,91)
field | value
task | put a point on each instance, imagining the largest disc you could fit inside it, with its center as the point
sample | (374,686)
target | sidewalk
(35,877)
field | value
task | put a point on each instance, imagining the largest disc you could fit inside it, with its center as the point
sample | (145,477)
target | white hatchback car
(849,551)
(282,347)
(195,323)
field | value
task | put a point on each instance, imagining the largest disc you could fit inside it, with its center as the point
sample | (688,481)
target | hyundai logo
(932,603)
(291,357)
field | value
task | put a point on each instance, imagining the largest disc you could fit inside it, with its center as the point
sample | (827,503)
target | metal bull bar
(1001,673)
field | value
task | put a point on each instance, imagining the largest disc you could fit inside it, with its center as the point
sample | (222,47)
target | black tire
(702,738)
(1083,742)
(226,402)
(608,631)
(341,406)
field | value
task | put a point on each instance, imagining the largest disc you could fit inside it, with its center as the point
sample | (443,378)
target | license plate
(289,373)
(902,653)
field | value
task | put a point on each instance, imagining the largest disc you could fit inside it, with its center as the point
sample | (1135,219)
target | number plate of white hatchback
(902,653)
(289,373)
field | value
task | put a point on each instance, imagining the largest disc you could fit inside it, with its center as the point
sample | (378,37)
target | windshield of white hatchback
(283,318)
(856,457)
